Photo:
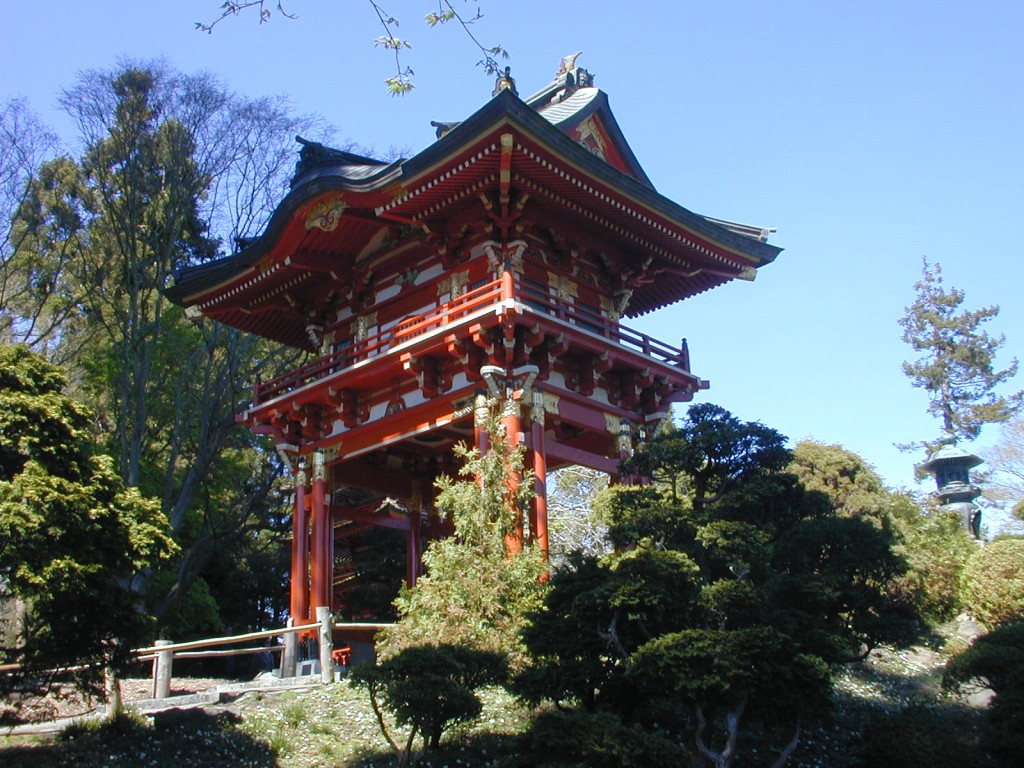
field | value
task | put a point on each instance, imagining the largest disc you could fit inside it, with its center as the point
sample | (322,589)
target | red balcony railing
(534,296)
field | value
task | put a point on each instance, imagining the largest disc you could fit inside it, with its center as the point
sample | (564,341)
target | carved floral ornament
(453,285)
(590,137)
(563,286)
(611,311)
(364,324)
(326,214)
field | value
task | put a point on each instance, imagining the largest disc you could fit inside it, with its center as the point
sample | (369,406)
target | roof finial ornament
(571,77)
(568,63)
(505,82)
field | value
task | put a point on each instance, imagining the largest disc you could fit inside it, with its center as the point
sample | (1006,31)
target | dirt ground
(64,701)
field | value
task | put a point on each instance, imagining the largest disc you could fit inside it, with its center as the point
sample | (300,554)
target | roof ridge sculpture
(314,153)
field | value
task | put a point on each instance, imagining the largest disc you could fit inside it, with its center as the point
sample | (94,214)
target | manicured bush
(427,689)
(993,582)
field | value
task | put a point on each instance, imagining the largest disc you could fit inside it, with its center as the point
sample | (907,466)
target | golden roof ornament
(568,63)
(505,82)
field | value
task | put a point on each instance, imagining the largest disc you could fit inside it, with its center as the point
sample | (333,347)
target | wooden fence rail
(163,653)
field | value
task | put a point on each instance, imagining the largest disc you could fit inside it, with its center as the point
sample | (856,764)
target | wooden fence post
(162,671)
(323,615)
(290,655)
(112,688)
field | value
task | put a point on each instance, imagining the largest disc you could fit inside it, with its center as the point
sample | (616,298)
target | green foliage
(574,659)
(475,592)
(71,534)
(931,541)
(168,173)
(958,368)
(194,616)
(731,591)
(993,582)
(596,740)
(916,737)
(996,661)
(936,548)
(427,689)
(851,484)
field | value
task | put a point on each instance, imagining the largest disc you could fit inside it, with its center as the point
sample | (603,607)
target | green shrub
(996,661)
(936,548)
(917,737)
(427,689)
(578,739)
(993,582)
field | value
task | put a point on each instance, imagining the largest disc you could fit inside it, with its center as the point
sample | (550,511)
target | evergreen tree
(475,592)
(71,533)
(996,661)
(958,367)
(173,167)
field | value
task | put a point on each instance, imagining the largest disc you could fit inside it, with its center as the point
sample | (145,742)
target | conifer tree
(958,364)
(475,592)
(70,534)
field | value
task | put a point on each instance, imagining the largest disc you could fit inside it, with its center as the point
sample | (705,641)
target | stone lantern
(951,465)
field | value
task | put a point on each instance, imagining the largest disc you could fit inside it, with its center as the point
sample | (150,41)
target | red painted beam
(561,454)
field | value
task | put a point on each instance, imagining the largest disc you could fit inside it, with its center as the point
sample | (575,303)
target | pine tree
(958,366)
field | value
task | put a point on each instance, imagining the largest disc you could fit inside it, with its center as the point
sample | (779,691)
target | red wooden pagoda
(491,270)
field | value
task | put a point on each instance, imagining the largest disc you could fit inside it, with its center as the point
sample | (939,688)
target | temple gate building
(492,270)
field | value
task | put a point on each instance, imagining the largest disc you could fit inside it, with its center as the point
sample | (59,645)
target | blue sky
(869,134)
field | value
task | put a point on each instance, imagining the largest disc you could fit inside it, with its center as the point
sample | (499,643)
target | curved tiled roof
(564,178)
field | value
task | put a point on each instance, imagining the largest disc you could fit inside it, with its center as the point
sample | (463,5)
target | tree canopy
(993,582)
(958,366)
(731,591)
(996,661)
(475,592)
(175,170)
(1005,481)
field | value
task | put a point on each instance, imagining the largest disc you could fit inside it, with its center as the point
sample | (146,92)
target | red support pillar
(511,421)
(299,603)
(508,299)
(539,523)
(322,539)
